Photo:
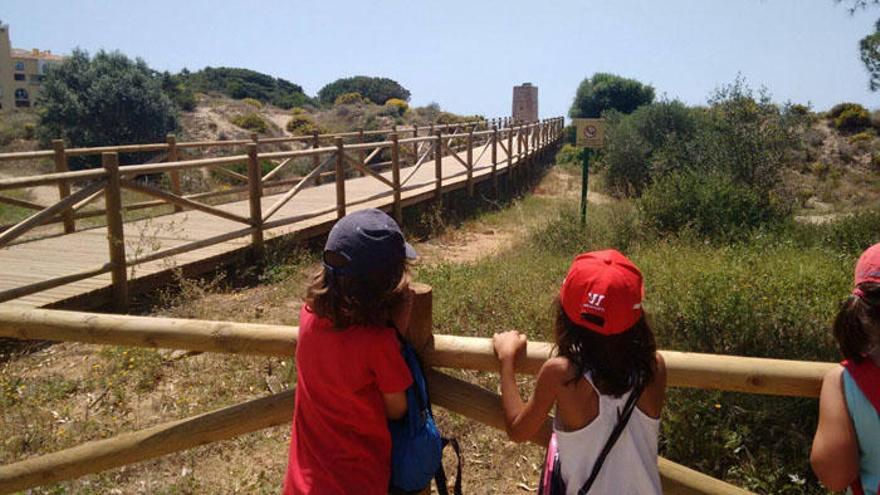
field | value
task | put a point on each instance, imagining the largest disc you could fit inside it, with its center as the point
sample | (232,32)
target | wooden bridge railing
(693,370)
(171,150)
(110,181)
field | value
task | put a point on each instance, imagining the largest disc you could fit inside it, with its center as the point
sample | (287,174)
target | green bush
(178,91)
(245,83)
(396,106)
(250,121)
(569,153)
(298,111)
(253,102)
(375,89)
(303,125)
(708,204)
(798,109)
(103,100)
(603,92)
(838,109)
(352,98)
(853,120)
(638,145)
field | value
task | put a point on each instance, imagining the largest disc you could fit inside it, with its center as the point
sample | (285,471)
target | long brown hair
(857,326)
(363,300)
(617,363)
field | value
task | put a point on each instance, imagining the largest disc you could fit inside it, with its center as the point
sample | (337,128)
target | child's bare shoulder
(557,369)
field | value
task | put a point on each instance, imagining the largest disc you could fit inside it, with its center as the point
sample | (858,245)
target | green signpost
(590,135)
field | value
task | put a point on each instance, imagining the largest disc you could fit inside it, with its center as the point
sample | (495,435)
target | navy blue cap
(369,240)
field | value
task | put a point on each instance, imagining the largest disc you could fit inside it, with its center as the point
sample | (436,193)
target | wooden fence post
(362,153)
(395,178)
(509,159)
(340,178)
(174,175)
(438,168)
(255,193)
(419,332)
(470,162)
(316,160)
(415,144)
(495,160)
(431,133)
(63,186)
(115,230)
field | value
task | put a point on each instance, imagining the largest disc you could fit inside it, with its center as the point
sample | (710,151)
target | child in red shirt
(351,376)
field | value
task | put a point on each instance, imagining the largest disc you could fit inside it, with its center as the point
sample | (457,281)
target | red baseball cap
(603,292)
(868,267)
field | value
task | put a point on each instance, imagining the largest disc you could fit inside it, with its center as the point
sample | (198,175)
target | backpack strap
(440,476)
(622,420)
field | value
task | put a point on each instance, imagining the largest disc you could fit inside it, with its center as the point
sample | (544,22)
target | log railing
(112,179)
(171,151)
(692,370)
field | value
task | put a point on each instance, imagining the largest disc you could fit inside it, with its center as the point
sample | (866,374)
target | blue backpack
(416,444)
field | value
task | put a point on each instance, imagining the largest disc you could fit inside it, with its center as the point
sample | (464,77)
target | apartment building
(21,72)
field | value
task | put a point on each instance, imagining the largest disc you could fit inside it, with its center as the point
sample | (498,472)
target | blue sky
(467,55)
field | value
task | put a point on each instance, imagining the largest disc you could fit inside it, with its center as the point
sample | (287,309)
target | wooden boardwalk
(44,259)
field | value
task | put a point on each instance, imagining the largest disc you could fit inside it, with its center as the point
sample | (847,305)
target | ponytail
(857,325)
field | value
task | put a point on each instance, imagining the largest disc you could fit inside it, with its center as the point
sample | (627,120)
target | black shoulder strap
(622,420)
(440,475)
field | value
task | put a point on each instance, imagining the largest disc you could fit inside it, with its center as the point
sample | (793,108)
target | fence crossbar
(298,187)
(174,199)
(366,171)
(38,218)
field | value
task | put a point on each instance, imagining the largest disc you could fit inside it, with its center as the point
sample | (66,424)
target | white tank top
(631,466)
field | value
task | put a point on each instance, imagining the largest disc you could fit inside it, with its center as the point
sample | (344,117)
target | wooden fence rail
(464,140)
(451,393)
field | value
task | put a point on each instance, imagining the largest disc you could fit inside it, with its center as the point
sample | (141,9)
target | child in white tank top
(605,351)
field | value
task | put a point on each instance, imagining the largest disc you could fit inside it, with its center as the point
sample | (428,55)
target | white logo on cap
(594,301)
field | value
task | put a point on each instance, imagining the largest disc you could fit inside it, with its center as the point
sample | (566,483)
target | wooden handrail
(685,369)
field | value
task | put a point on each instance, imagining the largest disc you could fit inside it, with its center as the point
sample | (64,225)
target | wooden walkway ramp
(307,212)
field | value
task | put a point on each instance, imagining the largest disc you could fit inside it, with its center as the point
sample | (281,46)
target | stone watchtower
(525,103)
(6,81)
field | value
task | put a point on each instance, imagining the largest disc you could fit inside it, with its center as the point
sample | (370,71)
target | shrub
(17,125)
(250,121)
(303,125)
(349,99)
(298,111)
(710,205)
(838,109)
(375,89)
(863,138)
(798,109)
(253,102)
(637,145)
(875,119)
(245,83)
(852,120)
(175,88)
(569,153)
(603,92)
(103,100)
(396,106)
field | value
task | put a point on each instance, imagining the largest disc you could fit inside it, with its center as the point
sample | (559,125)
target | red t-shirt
(340,442)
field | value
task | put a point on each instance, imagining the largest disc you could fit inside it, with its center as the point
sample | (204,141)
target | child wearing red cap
(846,448)
(351,376)
(606,363)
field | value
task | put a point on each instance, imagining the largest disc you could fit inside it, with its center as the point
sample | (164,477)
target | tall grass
(772,294)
